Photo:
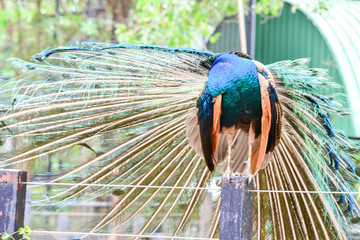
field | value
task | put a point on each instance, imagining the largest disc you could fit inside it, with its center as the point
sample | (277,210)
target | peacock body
(239,97)
(156,122)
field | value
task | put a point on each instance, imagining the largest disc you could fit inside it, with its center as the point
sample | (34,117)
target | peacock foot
(227,175)
(250,178)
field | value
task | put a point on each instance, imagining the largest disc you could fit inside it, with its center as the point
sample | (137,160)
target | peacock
(159,121)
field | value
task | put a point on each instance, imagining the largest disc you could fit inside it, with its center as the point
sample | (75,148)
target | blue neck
(236,78)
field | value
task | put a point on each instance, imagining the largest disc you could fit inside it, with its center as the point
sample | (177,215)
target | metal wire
(294,191)
(39,184)
(118,234)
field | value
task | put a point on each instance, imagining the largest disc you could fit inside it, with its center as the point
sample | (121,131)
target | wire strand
(119,235)
(299,191)
(39,184)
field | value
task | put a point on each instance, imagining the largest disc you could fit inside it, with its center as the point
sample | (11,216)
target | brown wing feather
(260,145)
(216,124)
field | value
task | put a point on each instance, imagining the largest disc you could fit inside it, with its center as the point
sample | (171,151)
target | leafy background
(29,26)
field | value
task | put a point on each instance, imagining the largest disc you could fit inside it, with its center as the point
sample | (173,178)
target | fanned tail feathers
(125,109)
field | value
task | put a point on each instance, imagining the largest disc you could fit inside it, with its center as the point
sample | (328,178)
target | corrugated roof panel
(340,28)
(229,28)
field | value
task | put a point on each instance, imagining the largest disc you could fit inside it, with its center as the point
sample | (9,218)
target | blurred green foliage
(29,26)
(269,7)
(26,27)
(175,22)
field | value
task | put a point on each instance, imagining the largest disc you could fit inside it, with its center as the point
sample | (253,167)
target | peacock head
(227,70)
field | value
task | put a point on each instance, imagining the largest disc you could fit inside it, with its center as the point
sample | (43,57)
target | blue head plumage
(226,72)
(237,80)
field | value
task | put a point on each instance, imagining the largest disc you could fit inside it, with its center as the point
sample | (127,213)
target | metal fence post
(236,208)
(12,200)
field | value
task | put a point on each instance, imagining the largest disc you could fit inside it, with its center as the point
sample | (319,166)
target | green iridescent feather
(116,114)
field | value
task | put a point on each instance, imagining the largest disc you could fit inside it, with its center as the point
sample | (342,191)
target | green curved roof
(331,39)
(340,28)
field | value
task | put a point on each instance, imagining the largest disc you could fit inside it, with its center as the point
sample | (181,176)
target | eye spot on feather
(30,67)
(38,57)
(118,192)
(314,72)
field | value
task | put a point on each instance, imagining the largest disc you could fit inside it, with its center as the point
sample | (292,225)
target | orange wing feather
(216,124)
(259,154)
